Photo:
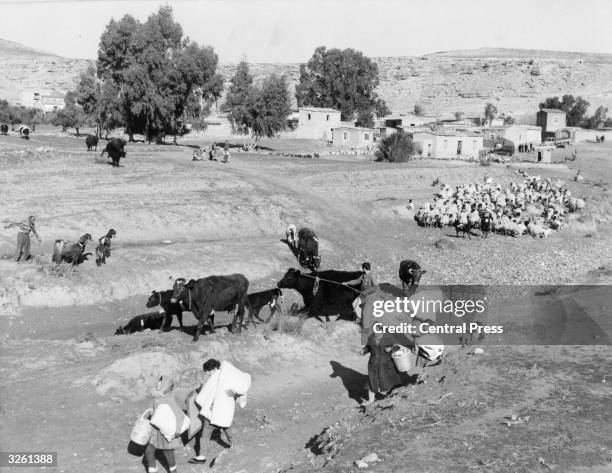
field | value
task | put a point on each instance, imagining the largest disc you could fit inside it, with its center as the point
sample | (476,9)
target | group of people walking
(209,407)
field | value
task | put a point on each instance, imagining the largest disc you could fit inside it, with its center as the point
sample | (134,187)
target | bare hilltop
(515,80)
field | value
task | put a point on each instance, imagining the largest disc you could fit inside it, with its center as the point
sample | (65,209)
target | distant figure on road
(226,152)
(23,237)
(212,152)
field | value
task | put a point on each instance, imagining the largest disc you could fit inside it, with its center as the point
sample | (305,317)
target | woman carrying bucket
(383,375)
(169,422)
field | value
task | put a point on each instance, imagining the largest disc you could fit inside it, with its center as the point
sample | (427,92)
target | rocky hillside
(24,69)
(514,80)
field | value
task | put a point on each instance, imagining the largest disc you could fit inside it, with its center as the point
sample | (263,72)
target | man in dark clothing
(382,374)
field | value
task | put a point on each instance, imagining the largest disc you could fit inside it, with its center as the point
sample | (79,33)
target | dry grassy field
(70,386)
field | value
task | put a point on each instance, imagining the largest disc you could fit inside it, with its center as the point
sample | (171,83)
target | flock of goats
(74,253)
(536,206)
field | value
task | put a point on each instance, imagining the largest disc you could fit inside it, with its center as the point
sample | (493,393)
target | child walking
(169,422)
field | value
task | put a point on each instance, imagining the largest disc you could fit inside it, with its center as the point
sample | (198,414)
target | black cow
(464,228)
(92,142)
(218,293)
(4,129)
(152,321)
(308,249)
(24,132)
(162,299)
(323,292)
(115,149)
(257,300)
(75,253)
(410,273)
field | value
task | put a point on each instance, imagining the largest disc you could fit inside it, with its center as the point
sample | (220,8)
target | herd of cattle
(535,206)
(24,131)
(323,293)
(115,147)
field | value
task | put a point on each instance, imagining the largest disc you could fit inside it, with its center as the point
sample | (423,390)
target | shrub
(396,147)
(289,324)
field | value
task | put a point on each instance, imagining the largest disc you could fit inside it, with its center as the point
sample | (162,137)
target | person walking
(364,282)
(226,152)
(169,422)
(23,237)
(382,374)
(225,385)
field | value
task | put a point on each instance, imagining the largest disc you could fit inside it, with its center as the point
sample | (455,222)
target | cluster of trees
(16,114)
(342,79)
(575,109)
(148,78)
(491,112)
(257,111)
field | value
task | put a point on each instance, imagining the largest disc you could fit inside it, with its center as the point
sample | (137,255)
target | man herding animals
(23,237)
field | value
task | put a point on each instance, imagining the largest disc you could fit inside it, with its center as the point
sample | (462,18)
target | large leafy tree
(150,77)
(270,108)
(258,111)
(341,79)
(240,98)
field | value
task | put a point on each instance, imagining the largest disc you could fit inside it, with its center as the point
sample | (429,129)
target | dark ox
(115,149)
(308,249)
(323,292)
(258,300)
(92,142)
(75,253)
(220,293)
(486,225)
(4,129)
(153,321)
(163,299)
(410,273)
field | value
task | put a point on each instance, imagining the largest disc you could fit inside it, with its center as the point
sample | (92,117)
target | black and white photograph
(297,236)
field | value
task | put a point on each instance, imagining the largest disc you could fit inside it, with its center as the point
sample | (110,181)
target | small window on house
(327,117)
(474,143)
(366,137)
(555,120)
(345,136)
(445,144)
(309,116)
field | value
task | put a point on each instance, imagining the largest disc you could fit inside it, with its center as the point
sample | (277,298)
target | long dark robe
(381,369)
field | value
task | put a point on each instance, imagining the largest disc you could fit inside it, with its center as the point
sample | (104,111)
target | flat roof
(551,110)
(317,109)
(352,128)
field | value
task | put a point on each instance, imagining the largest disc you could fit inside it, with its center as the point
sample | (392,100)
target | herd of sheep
(536,206)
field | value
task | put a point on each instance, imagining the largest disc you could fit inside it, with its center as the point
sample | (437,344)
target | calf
(75,253)
(257,300)
(410,273)
(92,142)
(162,299)
(4,129)
(152,321)
(24,132)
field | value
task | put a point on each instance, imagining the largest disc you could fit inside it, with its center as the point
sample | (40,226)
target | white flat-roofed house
(447,145)
(317,123)
(352,137)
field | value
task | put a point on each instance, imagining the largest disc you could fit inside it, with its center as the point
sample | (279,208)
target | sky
(290,30)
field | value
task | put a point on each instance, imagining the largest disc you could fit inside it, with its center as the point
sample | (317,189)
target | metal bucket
(141,432)
(403,358)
